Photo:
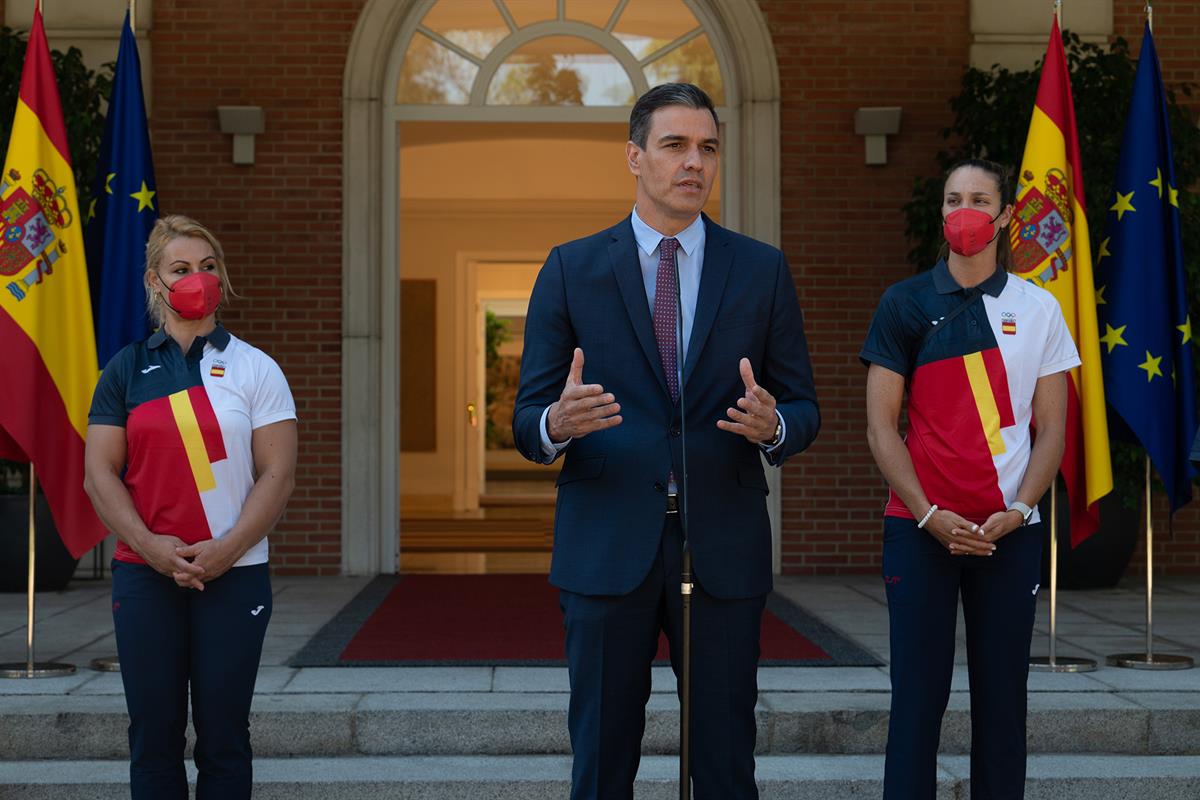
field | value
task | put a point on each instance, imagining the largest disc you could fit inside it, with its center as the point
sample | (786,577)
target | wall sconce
(244,122)
(876,124)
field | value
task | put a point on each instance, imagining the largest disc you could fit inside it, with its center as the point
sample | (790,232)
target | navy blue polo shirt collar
(944,282)
(218,338)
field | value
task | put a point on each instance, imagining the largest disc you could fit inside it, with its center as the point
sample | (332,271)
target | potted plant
(55,566)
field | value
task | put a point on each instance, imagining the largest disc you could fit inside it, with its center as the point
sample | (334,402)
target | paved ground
(76,626)
(479,733)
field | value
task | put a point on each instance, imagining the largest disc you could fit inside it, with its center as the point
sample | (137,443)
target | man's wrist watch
(778,437)
(1025,511)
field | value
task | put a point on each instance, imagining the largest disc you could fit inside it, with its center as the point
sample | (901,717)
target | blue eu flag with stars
(122,210)
(1142,299)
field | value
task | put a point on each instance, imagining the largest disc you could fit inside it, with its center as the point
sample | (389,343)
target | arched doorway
(424,74)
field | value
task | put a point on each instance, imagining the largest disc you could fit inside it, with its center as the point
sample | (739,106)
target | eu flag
(1141,291)
(122,210)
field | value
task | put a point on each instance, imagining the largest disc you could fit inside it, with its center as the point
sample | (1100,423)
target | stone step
(548,778)
(531,723)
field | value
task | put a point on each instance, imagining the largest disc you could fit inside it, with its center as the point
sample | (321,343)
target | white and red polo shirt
(970,383)
(188,420)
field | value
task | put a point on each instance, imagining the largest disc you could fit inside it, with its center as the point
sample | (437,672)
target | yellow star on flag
(1186,329)
(1112,337)
(1104,249)
(145,198)
(1124,203)
(91,210)
(1174,196)
(1151,366)
(1158,182)
(108,182)
(1100,301)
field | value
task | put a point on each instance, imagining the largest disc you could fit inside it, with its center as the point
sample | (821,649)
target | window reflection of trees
(433,75)
(447,51)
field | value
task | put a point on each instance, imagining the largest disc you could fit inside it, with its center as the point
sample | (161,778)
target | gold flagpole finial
(133,17)
(1058,12)
(1150,15)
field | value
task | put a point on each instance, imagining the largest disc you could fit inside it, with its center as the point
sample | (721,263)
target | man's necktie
(666,321)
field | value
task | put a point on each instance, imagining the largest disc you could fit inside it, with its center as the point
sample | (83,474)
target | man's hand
(959,536)
(755,416)
(581,408)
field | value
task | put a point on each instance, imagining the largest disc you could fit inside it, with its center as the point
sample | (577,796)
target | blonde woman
(191,453)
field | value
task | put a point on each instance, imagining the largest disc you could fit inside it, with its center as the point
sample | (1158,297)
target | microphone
(686,584)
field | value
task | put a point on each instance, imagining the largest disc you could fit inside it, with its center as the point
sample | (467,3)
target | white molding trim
(750,203)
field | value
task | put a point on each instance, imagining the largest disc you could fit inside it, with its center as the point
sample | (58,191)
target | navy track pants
(170,639)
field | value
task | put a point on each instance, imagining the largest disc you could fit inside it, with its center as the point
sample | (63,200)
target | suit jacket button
(675,432)
(658,487)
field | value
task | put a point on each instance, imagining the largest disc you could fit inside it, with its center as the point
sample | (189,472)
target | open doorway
(481,204)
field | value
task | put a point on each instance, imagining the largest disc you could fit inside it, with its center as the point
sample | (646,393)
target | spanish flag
(47,345)
(1051,248)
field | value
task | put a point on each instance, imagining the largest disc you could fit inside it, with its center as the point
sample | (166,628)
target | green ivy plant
(991,120)
(84,94)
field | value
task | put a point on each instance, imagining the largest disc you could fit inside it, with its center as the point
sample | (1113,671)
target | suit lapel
(622,251)
(718,258)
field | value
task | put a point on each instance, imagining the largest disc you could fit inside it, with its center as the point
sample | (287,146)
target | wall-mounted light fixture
(876,124)
(244,122)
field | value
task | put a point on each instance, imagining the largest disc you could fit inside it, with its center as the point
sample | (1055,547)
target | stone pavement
(482,732)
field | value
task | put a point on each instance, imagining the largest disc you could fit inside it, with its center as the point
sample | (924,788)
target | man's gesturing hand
(756,419)
(582,407)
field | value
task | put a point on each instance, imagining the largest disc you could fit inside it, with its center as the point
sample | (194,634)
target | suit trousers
(999,596)
(611,642)
(171,640)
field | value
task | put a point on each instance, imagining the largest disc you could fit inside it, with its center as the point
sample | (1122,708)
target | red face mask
(969,231)
(195,296)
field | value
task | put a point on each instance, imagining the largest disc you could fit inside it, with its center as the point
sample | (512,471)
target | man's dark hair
(668,94)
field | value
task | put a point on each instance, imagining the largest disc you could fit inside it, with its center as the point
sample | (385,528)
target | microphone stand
(686,582)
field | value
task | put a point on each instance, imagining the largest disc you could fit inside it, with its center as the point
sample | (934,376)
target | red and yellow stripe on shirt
(174,441)
(958,407)
(49,353)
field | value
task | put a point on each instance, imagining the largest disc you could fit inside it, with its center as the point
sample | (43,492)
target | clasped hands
(964,538)
(585,407)
(189,565)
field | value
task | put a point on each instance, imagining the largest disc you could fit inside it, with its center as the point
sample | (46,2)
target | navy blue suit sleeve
(787,370)
(546,360)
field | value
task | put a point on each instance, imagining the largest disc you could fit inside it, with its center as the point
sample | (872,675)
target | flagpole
(1058,13)
(1052,663)
(31,668)
(133,17)
(1149,659)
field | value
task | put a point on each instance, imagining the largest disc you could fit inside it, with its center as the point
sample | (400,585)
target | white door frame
(371,290)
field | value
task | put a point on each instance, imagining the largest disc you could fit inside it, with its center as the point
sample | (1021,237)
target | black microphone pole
(685,583)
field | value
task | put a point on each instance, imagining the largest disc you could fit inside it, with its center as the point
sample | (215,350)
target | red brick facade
(842,227)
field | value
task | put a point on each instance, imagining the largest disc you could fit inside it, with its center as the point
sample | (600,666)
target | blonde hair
(166,230)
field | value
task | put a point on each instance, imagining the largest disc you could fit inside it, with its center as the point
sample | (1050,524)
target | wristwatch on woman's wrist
(1025,511)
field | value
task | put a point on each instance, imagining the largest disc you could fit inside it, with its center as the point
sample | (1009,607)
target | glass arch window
(554,53)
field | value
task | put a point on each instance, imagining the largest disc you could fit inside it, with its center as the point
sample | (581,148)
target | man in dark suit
(607,378)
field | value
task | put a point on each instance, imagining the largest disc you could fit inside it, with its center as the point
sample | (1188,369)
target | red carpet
(501,619)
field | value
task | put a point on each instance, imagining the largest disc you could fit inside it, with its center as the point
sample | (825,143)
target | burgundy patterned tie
(665,320)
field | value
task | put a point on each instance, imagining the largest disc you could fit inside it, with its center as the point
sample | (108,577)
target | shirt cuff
(768,449)
(550,449)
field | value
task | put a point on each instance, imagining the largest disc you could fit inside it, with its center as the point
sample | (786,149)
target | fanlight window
(554,53)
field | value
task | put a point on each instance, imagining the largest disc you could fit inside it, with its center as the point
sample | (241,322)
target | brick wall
(279,220)
(843,231)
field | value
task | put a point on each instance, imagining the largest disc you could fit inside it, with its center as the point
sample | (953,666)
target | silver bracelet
(928,514)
